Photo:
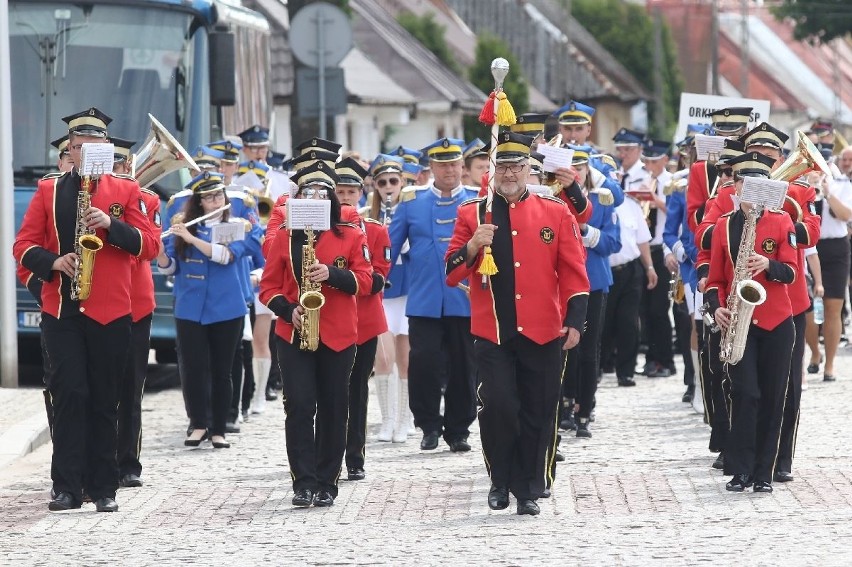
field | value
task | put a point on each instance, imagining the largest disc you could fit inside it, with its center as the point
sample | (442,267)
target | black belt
(624,265)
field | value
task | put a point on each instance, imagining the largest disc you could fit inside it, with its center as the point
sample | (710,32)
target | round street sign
(305,36)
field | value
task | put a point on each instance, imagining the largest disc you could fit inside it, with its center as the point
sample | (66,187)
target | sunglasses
(311,193)
(725,171)
(394,181)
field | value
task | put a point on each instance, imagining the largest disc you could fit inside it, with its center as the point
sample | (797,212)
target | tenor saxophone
(311,298)
(745,295)
(86,245)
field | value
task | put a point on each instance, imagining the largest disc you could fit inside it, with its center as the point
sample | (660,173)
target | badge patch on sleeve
(157,221)
(366,252)
(340,262)
(116,210)
(791,238)
(812,207)
(546,235)
(143,207)
(768,246)
(387,254)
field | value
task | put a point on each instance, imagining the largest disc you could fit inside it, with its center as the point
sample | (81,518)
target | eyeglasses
(209,197)
(515,168)
(726,172)
(385,182)
(313,193)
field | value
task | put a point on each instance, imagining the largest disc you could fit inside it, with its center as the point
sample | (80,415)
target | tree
(488,48)
(626,30)
(431,34)
(817,20)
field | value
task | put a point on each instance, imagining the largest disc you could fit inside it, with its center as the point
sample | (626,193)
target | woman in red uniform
(317,382)
(759,380)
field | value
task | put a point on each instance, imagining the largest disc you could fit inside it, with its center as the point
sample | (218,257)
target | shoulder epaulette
(801,182)
(372,221)
(776,211)
(54,174)
(409,193)
(473,200)
(123,176)
(551,198)
(179,194)
(148,191)
(247,223)
(350,225)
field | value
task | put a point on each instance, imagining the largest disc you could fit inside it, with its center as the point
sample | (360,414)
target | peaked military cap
(575,113)
(581,154)
(229,148)
(350,172)
(475,148)
(316,173)
(627,137)
(207,157)
(410,155)
(91,122)
(727,120)
(766,135)
(255,136)
(529,123)
(730,150)
(385,163)
(445,149)
(512,147)
(61,144)
(121,151)
(257,167)
(752,164)
(654,149)
(311,156)
(312,144)
(206,182)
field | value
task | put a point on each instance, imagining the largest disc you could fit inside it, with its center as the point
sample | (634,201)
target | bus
(201,67)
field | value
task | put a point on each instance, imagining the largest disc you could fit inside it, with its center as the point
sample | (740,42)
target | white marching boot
(400,430)
(261,367)
(698,395)
(383,383)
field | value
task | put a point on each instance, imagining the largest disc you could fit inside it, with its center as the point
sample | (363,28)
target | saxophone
(745,295)
(86,244)
(311,299)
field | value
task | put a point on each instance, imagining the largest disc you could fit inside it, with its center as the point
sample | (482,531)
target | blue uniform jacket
(205,291)
(427,221)
(600,246)
(398,276)
(677,231)
(611,183)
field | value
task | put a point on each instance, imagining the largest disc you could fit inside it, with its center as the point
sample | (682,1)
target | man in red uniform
(537,297)
(86,340)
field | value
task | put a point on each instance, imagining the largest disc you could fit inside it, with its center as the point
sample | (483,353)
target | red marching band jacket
(799,204)
(549,264)
(347,255)
(582,216)
(142,302)
(371,312)
(47,232)
(698,191)
(775,238)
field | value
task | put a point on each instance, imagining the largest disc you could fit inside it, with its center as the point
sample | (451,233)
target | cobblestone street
(641,491)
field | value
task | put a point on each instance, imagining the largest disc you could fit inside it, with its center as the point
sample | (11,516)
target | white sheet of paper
(226,232)
(279,184)
(303,213)
(706,146)
(765,192)
(250,180)
(540,190)
(555,157)
(97,159)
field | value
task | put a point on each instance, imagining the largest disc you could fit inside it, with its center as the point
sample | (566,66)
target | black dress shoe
(687,396)
(245,414)
(459,446)
(354,473)
(220,444)
(583,429)
(762,486)
(323,499)
(498,498)
(829,378)
(813,368)
(783,476)
(546,493)
(191,441)
(106,504)
(719,463)
(63,501)
(560,458)
(430,441)
(271,395)
(626,382)
(528,508)
(130,481)
(303,497)
(739,483)
(569,423)
(231,427)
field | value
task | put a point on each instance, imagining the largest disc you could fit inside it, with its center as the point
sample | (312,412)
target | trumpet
(677,293)
(388,209)
(197,220)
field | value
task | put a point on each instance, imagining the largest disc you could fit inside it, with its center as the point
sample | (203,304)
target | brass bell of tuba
(160,155)
(804,158)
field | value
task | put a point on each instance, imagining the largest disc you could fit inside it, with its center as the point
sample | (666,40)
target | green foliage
(488,48)
(626,30)
(431,34)
(817,20)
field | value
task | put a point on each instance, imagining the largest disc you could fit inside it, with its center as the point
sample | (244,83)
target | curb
(23,438)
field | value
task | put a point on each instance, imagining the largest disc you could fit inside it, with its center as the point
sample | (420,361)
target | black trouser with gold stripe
(316,384)
(790,425)
(519,392)
(132,388)
(359,393)
(86,362)
(582,363)
(758,387)
(715,388)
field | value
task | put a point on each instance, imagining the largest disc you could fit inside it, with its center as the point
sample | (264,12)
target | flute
(199,219)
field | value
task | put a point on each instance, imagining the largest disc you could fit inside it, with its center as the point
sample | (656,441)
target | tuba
(160,155)
(804,158)
(86,244)
(311,298)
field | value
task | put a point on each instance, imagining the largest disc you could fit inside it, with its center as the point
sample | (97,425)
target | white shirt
(634,231)
(662,181)
(636,176)
(841,190)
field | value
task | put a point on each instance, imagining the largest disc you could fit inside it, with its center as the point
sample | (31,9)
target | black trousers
(683,334)
(315,384)
(583,361)
(86,365)
(439,346)
(242,375)
(720,392)
(207,355)
(274,382)
(359,394)
(758,388)
(519,394)
(130,408)
(657,303)
(793,400)
(620,338)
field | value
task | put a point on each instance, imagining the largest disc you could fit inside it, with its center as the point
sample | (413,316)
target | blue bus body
(128,58)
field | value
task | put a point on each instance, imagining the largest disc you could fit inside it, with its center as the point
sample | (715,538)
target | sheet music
(97,159)
(707,147)
(226,232)
(763,192)
(314,213)
(540,190)
(555,157)
(250,180)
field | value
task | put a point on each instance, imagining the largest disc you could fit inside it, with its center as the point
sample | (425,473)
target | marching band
(474,277)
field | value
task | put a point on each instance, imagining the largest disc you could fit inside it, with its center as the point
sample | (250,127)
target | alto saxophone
(86,244)
(745,295)
(311,299)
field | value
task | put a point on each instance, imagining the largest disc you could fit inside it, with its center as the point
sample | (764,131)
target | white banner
(696,109)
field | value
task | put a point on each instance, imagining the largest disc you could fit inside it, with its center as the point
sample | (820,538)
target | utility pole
(659,101)
(714,47)
(744,48)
